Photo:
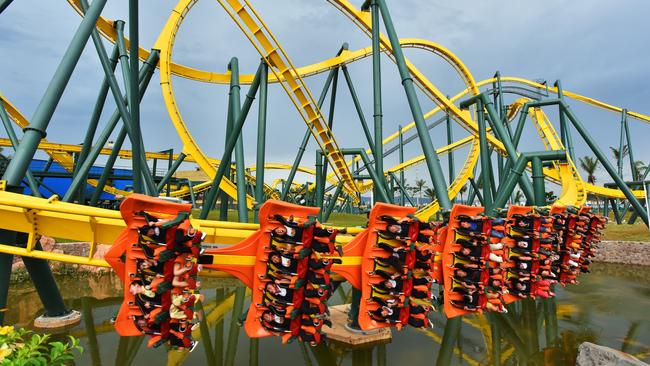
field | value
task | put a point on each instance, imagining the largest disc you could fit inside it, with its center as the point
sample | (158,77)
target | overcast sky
(597,48)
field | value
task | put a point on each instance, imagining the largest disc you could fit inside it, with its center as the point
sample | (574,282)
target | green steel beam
(628,137)
(231,141)
(404,194)
(476,191)
(4,4)
(538,182)
(330,117)
(108,167)
(384,197)
(130,116)
(508,186)
(319,189)
(450,155)
(565,131)
(332,203)
(146,72)
(235,101)
(170,172)
(224,205)
(495,123)
(97,110)
(357,106)
(486,168)
(6,121)
(134,102)
(605,163)
(378,113)
(402,182)
(431,157)
(261,139)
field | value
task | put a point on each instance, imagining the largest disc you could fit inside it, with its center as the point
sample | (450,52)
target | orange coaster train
(156,256)
(481,263)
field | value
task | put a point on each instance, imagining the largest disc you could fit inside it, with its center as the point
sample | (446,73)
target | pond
(610,307)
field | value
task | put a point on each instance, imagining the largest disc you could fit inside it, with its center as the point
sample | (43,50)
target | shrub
(24,347)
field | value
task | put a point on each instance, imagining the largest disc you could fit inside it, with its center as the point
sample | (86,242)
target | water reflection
(609,308)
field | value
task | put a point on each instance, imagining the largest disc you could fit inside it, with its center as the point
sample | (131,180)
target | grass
(625,232)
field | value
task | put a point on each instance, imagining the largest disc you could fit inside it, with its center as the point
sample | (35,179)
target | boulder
(590,354)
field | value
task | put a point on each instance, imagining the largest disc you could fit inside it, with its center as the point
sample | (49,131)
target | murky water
(610,307)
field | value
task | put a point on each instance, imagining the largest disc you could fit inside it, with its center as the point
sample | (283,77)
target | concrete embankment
(624,252)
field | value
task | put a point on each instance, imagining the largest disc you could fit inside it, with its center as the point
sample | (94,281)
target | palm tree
(519,197)
(419,186)
(639,169)
(590,164)
(430,193)
(620,155)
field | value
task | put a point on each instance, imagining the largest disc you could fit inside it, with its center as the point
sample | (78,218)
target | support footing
(50,322)
(341,333)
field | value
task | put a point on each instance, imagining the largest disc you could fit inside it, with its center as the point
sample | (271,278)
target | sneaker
(193,345)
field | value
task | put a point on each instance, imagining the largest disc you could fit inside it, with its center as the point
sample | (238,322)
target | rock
(590,354)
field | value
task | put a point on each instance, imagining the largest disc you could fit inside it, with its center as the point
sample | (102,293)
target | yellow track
(280,64)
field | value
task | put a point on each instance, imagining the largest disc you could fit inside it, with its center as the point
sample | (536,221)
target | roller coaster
(494,130)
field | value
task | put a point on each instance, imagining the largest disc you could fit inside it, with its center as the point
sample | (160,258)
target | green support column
(224,205)
(502,134)
(432,159)
(170,172)
(619,163)
(606,164)
(97,110)
(486,169)
(402,183)
(261,140)
(6,121)
(357,106)
(39,270)
(4,4)
(379,183)
(330,117)
(402,189)
(517,171)
(318,188)
(242,210)
(190,187)
(628,137)
(134,103)
(376,92)
(332,204)
(139,161)
(565,131)
(538,182)
(108,167)
(450,140)
(305,140)
(231,141)
(145,75)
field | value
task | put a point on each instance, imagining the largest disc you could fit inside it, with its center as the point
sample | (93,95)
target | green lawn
(625,232)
